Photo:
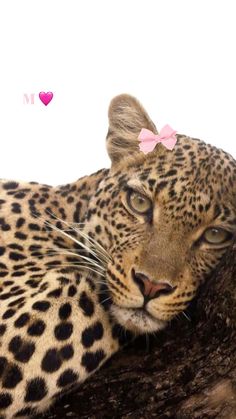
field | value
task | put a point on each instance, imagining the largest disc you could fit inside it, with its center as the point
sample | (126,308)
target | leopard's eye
(216,235)
(138,202)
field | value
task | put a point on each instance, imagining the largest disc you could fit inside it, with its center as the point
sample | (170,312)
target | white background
(176,56)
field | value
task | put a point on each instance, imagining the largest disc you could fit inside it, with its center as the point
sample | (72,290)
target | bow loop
(148,139)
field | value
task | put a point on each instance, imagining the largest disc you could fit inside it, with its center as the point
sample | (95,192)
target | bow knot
(148,139)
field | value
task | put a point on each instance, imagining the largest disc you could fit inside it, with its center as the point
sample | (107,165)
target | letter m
(28,99)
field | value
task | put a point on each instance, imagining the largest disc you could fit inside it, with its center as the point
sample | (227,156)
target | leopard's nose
(151,289)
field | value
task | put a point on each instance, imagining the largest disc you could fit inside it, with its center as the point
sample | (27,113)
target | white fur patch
(136,320)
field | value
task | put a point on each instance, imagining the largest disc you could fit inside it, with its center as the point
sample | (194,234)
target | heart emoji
(45,97)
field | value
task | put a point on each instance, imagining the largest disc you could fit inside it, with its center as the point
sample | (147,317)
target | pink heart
(45,97)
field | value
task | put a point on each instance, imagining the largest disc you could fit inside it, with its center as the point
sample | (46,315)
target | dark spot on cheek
(2,250)
(41,306)
(25,353)
(21,236)
(51,361)
(10,185)
(22,350)
(3,364)
(3,329)
(22,320)
(5,400)
(64,311)
(36,390)
(98,229)
(67,351)
(9,313)
(86,304)
(91,334)
(16,208)
(72,291)
(91,360)
(16,256)
(37,328)
(76,215)
(12,377)
(34,227)
(63,331)
(20,195)
(20,222)
(67,377)
(55,293)
(15,344)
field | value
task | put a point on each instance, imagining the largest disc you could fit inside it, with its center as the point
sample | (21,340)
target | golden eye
(216,235)
(138,202)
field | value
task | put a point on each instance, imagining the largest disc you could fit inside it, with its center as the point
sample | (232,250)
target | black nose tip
(151,289)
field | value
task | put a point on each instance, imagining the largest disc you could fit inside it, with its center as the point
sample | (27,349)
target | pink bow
(148,139)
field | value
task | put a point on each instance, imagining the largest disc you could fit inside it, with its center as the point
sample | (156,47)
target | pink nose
(151,289)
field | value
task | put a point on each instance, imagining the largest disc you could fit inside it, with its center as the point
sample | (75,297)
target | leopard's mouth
(137,320)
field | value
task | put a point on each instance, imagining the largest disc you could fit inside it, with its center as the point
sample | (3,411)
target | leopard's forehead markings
(195,165)
(192,179)
(187,150)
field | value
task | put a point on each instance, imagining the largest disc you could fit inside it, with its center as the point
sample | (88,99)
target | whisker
(62,252)
(100,269)
(101,292)
(80,266)
(91,261)
(186,316)
(106,299)
(47,223)
(90,239)
(88,263)
(76,241)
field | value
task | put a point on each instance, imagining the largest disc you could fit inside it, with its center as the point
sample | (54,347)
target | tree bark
(187,371)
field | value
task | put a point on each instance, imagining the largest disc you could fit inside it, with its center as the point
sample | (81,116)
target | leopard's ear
(126,119)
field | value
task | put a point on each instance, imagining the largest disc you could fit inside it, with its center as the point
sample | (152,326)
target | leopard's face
(166,219)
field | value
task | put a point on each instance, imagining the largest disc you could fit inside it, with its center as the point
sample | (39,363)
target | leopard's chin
(137,320)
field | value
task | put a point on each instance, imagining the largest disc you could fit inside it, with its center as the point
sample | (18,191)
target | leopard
(89,265)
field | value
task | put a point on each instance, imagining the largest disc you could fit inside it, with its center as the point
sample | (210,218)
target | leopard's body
(59,319)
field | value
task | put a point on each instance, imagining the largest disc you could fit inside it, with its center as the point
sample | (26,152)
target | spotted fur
(68,257)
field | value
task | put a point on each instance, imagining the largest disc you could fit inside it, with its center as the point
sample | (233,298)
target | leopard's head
(165,218)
